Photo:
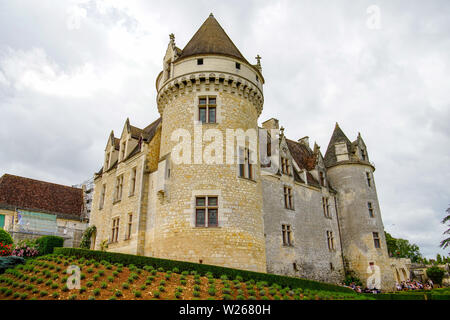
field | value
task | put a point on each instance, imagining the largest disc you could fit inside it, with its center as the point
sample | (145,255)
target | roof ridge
(41,181)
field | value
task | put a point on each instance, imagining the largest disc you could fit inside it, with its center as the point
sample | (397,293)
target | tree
(401,248)
(446,242)
(436,274)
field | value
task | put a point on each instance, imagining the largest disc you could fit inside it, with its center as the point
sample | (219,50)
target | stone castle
(315,217)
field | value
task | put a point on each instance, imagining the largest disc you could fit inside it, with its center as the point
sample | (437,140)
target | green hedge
(410,296)
(48,243)
(141,261)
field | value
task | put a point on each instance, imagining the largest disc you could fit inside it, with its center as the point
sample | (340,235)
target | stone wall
(238,241)
(310,253)
(357,226)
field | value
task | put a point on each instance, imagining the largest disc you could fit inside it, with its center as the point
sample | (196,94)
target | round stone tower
(209,207)
(362,232)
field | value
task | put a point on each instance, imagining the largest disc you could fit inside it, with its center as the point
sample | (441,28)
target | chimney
(272,123)
(304,141)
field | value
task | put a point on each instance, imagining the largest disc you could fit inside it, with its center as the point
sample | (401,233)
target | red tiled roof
(24,193)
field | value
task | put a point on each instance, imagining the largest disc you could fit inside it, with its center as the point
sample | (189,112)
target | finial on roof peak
(337,125)
(211,15)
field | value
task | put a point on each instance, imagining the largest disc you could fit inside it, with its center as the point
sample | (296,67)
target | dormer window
(322,179)
(363,155)
(285,168)
(122,150)
(200,61)
(107,161)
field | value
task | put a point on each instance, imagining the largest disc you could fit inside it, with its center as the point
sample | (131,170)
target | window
(245,165)
(200,61)
(322,179)
(206,210)
(130,224)
(238,65)
(326,207)
(285,168)
(369,206)
(119,187)
(207,110)
(376,240)
(133,181)
(331,266)
(102,197)
(257,79)
(288,203)
(369,179)
(122,150)
(295,266)
(363,155)
(330,240)
(107,161)
(287,235)
(115,230)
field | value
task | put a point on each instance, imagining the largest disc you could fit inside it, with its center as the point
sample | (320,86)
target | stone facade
(310,218)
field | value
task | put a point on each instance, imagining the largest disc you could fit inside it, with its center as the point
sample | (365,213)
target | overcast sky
(72,71)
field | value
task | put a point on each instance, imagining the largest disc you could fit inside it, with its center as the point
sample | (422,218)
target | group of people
(414,285)
(359,289)
(402,286)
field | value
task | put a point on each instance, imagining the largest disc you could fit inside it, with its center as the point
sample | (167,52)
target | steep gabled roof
(29,194)
(304,156)
(149,131)
(337,136)
(211,39)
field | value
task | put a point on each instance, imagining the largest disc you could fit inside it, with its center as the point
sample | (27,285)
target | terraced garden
(46,278)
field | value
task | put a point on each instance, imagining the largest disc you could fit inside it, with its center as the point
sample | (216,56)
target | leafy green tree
(401,248)
(446,242)
(435,274)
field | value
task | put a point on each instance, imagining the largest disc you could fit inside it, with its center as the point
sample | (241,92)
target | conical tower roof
(211,39)
(337,136)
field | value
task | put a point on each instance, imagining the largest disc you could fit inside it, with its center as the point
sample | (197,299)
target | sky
(72,71)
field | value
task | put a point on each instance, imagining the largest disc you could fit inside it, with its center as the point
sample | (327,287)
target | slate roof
(211,39)
(35,195)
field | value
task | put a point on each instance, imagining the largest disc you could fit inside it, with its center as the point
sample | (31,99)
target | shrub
(177,295)
(55,295)
(212,292)
(118,293)
(196,293)
(26,248)
(137,294)
(5,237)
(96,292)
(48,243)
(73,297)
(156,294)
